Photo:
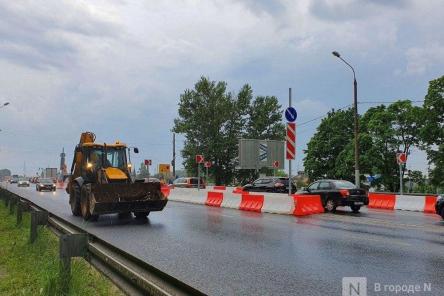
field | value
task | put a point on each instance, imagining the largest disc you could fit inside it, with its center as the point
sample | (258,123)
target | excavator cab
(107,162)
(100,182)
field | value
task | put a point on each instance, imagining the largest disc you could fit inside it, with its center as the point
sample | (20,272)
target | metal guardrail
(132,275)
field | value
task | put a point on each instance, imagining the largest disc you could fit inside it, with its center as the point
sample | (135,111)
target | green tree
(384,131)
(265,119)
(432,132)
(380,152)
(213,120)
(332,136)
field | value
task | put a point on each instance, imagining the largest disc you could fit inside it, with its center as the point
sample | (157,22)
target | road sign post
(401,158)
(199,159)
(290,115)
(148,162)
(275,166)
(207,165)
(401,191)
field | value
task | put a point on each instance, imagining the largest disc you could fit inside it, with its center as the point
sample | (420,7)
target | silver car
(23,183)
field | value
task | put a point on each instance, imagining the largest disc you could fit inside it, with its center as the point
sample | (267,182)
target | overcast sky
(117,68)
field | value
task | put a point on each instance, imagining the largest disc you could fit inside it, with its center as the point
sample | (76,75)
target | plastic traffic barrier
(239,190)
(251,202)
(307,204)
(165,190)
(231,200)
(429,206)
(410,203)
(214,199)
(278,203)
(219,187)
(381,201)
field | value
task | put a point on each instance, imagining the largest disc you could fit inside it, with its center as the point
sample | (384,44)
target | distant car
(189,182)
(338,193)
(23,183)
(45,184)
(439,205)
(13,180)
(270,184)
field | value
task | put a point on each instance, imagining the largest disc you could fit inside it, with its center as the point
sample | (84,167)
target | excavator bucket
(122,197)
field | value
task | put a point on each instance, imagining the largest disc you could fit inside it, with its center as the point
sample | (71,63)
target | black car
(439,206)
(45,184)
(338,193)
(270,184)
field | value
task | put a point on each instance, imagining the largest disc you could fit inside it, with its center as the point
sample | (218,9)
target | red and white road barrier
(298,205)
(392,201)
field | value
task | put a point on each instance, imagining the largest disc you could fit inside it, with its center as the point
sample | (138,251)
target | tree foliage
(332,136)
(213,119)
(384,131)
(432,132)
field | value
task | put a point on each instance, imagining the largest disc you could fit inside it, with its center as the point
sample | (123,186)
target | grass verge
(33,269)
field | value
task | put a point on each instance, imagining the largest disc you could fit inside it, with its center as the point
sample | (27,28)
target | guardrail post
(71,245)
(21,207)
(12,203)
(37,218)
(7,199)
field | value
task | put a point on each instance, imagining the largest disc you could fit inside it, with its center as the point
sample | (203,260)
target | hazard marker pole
(289,161)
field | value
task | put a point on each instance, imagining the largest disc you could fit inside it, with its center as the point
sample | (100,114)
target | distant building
(5,174)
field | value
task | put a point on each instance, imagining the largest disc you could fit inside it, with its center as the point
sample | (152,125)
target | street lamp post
(355,109)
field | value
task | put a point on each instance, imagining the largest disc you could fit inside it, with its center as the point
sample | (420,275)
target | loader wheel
(74,200)
(141,215)
(84,204)
(124,215)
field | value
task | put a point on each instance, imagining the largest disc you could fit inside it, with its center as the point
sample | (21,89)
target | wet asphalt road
(230,252)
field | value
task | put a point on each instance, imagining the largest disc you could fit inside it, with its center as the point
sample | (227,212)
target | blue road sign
(291,114)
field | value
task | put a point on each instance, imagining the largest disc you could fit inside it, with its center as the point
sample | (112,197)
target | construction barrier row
(298,205)
(391,201)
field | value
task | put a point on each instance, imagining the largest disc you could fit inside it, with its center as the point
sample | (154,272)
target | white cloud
(420,59)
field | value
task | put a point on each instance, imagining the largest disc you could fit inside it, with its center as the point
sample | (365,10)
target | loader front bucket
(121,197)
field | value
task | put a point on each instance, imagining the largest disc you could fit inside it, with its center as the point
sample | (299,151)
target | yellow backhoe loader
(101,183)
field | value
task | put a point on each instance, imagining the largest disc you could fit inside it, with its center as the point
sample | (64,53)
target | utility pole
(356,127)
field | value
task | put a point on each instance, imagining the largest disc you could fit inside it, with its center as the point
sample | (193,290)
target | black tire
(141,215)
(124,215)
(330,206)
(442,213)
(85,204)
(355,209)
(74,200)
